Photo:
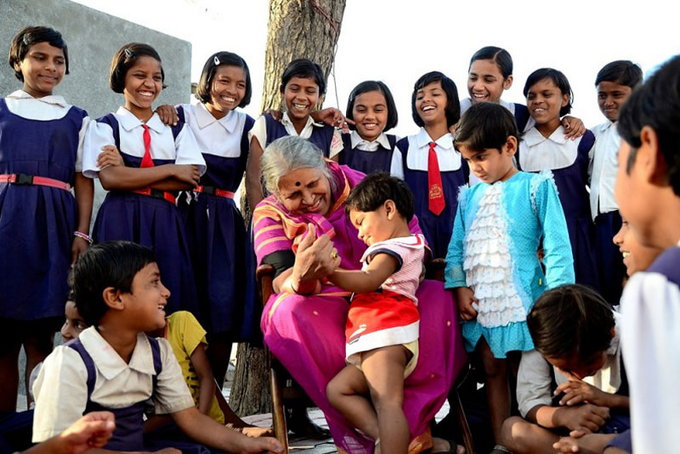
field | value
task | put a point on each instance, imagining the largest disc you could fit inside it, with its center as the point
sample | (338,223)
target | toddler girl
(383,322)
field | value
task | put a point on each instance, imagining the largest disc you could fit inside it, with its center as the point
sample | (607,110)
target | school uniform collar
(357,140)
(205,118)
(534,137)
(54,100)
(423,140)
(129,122)
(109,363)
(285,119)
(606,126)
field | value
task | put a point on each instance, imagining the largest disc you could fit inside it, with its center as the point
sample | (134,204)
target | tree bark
(297,29)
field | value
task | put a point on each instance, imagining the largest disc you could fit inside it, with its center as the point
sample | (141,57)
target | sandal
(500,449)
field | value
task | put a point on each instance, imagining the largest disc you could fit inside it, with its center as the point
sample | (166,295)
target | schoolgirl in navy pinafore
(322,136)
(379,160)
(436,228)
(218,240)
(37,222)
(571,181)
(151,220)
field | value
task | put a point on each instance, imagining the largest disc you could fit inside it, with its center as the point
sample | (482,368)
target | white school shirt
(541,153)
(47,108)
(259,131)
(534,378)
(215,137)
(183,150)
(419,149)
(467,102)
(61,388)
(396,165)
(604,166)
(650,307)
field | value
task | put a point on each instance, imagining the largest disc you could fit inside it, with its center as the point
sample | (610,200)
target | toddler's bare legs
(382,377)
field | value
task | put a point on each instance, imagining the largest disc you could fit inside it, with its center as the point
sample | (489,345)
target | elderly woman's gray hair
(290,153)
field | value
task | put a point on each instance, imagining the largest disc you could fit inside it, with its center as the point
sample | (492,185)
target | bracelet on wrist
(84,236)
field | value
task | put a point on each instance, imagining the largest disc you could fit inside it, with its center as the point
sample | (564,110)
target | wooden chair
(265,276)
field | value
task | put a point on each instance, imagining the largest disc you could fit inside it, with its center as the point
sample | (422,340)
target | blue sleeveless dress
(219,243)
(155,223)
(571,184)
(322,137)
(36,222)
(367,162)
(436,228)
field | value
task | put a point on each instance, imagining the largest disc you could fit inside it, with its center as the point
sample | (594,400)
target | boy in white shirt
(114,366)
(614,82)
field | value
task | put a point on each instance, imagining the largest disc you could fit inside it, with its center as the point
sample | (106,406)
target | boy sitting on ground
(114,366)
(573,381)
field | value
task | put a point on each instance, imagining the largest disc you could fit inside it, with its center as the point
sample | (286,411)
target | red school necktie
(146,160)
(436,202)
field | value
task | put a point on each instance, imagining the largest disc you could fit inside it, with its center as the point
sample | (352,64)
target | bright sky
(397,41)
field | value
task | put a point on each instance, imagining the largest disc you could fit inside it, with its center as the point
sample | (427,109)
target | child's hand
(110,156)
(168,114)
(275,114)
(315,257)
(578,392)
(168,451)
(332,117)
(574,127)
(566,444)
(465,298)
(78,247)
(91,431)
(187,173)
(585,418)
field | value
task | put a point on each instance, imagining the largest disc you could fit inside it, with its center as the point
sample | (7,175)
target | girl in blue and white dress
(492,264)
(367,148)
(220,246)
(544,147)
(435,109)
(143,163)
(43,228)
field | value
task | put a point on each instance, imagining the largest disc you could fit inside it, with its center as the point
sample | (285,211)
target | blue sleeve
(558,258)
(454,276)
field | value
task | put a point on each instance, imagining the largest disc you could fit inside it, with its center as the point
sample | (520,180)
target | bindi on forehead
(298,184)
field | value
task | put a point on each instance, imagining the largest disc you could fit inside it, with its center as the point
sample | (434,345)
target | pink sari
(306,333)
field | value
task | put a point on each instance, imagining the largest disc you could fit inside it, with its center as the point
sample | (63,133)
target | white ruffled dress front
(488,264)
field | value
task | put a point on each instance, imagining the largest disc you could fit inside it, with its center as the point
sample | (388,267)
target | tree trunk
(297,29)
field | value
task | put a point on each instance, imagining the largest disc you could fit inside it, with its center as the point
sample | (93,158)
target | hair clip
(129,53)
(25,39)
(216,60)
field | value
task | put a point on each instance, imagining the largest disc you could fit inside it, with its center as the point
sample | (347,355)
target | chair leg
(278,411)
(463,425)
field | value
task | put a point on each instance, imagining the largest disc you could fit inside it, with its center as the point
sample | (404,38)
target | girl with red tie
(144,163)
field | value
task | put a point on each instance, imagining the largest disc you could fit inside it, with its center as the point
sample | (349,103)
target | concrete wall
(92,38)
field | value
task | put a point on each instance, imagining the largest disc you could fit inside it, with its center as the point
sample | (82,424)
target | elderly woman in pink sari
(302,230)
